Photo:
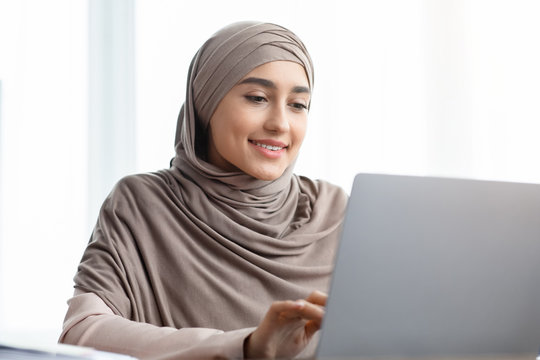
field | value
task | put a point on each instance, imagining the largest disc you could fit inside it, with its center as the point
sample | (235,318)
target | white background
(413,87)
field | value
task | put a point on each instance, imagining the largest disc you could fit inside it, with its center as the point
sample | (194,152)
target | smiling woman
(259,126)
(227,253)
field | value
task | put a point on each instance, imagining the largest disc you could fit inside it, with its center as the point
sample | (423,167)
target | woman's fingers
(312,327)
(317,297)
(300,309)
(318,300)
(287,327)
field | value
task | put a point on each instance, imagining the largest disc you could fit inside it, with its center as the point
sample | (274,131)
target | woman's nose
(277,120)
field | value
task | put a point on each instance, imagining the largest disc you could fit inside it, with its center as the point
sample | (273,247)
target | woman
(209,258)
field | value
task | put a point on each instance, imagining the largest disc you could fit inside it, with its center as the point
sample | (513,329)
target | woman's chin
(267,175)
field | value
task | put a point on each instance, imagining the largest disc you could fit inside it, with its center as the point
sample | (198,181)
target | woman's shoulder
(148,179)
(136,187)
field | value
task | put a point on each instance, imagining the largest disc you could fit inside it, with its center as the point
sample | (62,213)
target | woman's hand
(287,328)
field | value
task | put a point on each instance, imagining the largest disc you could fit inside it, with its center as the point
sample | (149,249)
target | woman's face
(259,126)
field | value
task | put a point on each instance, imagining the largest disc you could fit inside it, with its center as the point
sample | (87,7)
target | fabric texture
(193,246)
(90,322)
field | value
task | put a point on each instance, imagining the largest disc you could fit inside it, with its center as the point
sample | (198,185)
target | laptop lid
(434,266)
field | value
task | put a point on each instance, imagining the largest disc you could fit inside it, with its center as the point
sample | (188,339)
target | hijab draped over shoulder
(195,246)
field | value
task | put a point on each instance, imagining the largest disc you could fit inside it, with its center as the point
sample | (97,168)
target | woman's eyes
(261,99)
(256,99)
(299,106)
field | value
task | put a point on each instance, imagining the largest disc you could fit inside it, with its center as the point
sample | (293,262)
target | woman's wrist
(247,349)
(251,351)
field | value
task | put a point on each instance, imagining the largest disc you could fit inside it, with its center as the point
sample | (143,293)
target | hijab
(221,63)
(195,246)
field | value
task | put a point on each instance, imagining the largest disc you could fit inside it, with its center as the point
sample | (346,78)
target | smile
(268,147)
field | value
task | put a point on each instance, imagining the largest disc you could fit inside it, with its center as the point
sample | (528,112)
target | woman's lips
(269,142)
(270,148)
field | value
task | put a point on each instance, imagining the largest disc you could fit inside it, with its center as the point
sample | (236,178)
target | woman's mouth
(270,149)
(267,146)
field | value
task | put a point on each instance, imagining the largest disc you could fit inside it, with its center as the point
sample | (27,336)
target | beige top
(136,287)
(90,322)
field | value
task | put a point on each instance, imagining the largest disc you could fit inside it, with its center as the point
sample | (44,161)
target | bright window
(43,177)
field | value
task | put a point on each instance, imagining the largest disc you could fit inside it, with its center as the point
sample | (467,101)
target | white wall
(413,87)
(43,164)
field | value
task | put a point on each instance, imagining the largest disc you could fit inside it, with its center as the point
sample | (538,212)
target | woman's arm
(90,322)
(285,331)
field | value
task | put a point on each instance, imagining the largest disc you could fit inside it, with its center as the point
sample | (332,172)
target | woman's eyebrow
(270,84)
(300,89)
(260,81)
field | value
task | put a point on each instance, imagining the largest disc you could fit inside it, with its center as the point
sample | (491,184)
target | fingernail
(300,303)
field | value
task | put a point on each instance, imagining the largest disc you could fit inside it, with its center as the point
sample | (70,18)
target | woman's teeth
(269,147)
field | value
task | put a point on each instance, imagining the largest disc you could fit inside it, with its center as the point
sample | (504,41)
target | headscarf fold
(195,246)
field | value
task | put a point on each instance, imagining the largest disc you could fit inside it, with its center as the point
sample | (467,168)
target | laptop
(436,267)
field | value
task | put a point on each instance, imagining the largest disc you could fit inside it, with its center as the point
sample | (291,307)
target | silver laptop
(436,267)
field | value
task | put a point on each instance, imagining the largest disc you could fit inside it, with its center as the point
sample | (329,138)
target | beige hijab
(194,246)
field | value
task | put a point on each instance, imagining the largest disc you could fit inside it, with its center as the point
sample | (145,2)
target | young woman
(227,253)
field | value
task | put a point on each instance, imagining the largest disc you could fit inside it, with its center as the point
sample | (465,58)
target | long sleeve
(90,322)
